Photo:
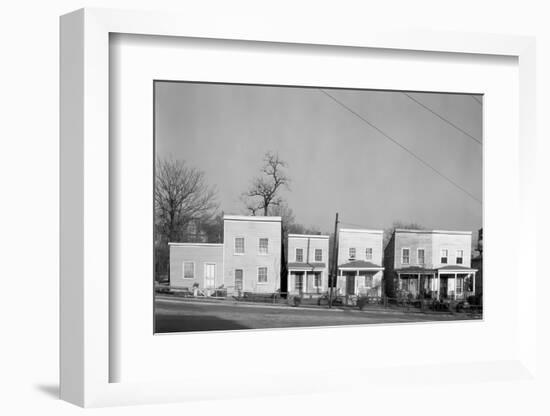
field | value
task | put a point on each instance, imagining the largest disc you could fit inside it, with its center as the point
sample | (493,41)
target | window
(262,274)
(188,270)
(299,255)
(352,253)
(318,254)
(368,281)
(421,256)
(317,280)
(239,245)
(264,242)
(459,285)
(192,228)
(368,253)
(405,256)
(459,256)
(444,256)
(299,282)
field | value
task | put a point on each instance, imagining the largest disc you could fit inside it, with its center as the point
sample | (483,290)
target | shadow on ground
(51,390)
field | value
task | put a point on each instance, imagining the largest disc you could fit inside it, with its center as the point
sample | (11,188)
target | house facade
(249,259)
(197,265)
(252,254)
(360,269)
(307,264)
(430,263)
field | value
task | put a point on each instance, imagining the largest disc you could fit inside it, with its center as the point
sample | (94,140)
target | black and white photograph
(287,206)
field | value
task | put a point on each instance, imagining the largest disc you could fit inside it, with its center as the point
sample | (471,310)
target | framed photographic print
(262,248)
(258,203)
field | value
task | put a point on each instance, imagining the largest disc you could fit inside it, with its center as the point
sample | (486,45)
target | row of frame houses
(420,262)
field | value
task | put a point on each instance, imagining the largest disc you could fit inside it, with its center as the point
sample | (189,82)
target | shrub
(296,300)
(476,299)
(362,301)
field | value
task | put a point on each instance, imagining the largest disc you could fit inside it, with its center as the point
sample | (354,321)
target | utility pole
(334,269)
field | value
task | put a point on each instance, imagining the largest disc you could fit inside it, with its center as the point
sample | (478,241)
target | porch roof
(455,268)
(415,270)
(360,265)
(306,266)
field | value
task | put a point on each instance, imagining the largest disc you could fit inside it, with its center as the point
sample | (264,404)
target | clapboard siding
(199,254)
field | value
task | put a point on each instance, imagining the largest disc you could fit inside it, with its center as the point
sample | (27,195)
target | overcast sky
(336,161)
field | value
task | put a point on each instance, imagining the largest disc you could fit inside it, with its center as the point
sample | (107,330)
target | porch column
(419,289)
(288,283)
(438,285)
(398,281)
(454,294)
(474,283)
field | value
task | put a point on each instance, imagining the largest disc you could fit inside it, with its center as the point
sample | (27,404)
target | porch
(444,283)
(359,278)
(306,279)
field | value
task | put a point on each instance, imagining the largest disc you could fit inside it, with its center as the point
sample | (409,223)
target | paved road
(179,315)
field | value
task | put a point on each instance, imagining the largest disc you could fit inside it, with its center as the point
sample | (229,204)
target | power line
(428,165)
(450,123)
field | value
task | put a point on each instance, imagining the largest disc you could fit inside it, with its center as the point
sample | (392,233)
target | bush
(296,300)
(476,299)
(362,301)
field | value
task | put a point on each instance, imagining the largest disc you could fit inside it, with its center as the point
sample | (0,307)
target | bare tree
(388,232)
(181,195)
(283,210)
(263,192)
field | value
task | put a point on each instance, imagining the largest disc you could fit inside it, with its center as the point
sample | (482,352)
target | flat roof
(251,218)
(360,230)
(324,236)
(405,230)
(196,244)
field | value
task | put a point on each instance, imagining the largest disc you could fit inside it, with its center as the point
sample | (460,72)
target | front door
(299,282)
(317,282)
(239,280)
(444,284)
(350,284)
(209,277)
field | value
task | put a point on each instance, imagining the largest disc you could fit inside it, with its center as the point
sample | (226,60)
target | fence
(406,304)
(420,305)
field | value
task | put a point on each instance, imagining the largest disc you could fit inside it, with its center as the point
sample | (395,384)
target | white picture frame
(86,304)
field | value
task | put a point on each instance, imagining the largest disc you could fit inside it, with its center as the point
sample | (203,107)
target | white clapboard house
(360,269)
(430,263)
(307,265)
